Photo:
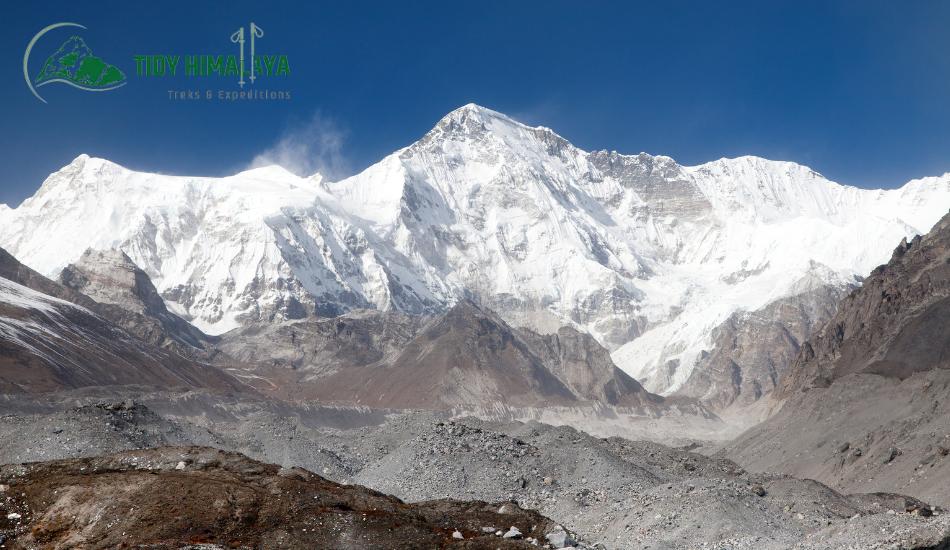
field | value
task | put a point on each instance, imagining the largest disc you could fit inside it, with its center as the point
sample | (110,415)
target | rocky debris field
(627,494)
(171,497)
(900,444)
(609,491)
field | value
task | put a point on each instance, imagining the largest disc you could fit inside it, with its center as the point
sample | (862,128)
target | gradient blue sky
(858,90)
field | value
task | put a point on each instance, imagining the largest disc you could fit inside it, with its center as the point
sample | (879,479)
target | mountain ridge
(646,255)
(465,357)
(54,338)
(864,404)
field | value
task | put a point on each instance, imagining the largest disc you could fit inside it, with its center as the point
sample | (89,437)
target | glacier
(645,254)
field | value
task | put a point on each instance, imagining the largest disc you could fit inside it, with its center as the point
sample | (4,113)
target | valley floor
(612,491)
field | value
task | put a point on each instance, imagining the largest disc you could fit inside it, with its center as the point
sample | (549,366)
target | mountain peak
(471,116)
(112,255)
(474,109)
(85,162)
(110,276)
(494,130)
(81,172)
(466,312)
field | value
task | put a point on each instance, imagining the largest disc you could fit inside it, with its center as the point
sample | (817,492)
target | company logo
(73,63)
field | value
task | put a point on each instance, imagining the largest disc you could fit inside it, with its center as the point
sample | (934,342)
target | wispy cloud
(316,145)
(540,113)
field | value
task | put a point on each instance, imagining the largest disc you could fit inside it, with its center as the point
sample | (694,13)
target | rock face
(866,404)
(315,346)
(194,497)
(586,369)
(48,343)
(467,356)
(111,278)
(895,325)
(646,255)
(12,270)
(752,351)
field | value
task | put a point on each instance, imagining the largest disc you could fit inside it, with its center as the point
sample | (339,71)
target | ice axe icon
(238,38)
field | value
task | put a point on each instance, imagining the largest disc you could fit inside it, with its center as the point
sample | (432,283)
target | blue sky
(859,91)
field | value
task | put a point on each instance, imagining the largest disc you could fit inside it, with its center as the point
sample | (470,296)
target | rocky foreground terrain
(197,497)
(614,492)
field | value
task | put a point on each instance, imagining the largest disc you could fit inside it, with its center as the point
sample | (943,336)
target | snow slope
(645,254)
(254,244)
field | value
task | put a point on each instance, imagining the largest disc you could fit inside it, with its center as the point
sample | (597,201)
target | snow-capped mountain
(645,254)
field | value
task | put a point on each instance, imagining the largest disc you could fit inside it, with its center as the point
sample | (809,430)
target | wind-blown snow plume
(315,146)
